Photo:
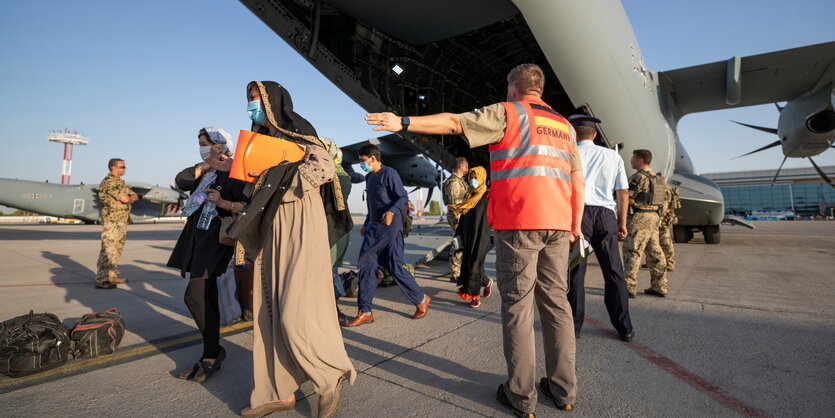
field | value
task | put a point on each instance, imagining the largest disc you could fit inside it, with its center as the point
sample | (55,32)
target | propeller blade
(778,170)
(822,174)
(428,198)
(759,128)
(414,190)
(771,145)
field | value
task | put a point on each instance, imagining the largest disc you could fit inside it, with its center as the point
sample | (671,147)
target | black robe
(197,251)
(475,238)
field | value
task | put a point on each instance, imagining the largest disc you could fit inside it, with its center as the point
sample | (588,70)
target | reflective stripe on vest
(508,163)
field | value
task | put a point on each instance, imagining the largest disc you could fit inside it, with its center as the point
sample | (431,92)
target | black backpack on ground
(98,333)
(32,343)
(350,282)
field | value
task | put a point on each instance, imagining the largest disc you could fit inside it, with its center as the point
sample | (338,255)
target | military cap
(583,120)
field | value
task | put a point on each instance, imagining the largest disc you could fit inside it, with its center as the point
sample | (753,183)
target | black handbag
(32,343)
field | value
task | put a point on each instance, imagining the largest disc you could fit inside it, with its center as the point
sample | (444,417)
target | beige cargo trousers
(532,267)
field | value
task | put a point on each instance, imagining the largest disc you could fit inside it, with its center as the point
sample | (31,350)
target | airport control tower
(69,139)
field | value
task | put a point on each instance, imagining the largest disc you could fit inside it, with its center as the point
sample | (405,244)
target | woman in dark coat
(198,251)
(474,233)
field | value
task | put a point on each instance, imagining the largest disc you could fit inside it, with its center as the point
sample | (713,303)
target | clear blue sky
(140,78)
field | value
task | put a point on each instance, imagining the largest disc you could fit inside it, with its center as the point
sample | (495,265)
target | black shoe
(105,285)
(343,319)
(502,398)
(627,337)
(633,295)
(652,292)
(210,368)
(246,316)
(545,387)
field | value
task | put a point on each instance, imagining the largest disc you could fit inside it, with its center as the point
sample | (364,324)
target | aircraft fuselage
(79,201)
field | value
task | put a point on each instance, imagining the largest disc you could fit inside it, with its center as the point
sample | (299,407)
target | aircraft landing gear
(711,233)
(682,234)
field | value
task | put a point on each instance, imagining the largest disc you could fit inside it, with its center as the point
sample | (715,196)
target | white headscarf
(219,135)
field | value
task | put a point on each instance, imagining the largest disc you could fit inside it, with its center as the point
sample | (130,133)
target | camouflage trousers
(112,244)
(454,256)
(643,235)
(665,239)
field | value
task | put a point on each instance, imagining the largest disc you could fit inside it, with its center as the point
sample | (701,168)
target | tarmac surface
(748,328)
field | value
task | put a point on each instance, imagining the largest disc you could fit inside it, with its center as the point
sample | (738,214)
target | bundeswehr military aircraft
(422,57)
(81,201)
(400,154)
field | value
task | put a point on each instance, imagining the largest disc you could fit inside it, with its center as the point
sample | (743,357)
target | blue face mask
(474,183)
(256,113)
(365,167)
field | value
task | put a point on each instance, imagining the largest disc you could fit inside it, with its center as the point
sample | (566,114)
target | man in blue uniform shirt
(382,232)
(605,176)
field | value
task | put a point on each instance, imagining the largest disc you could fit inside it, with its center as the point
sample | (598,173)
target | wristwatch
(404,121)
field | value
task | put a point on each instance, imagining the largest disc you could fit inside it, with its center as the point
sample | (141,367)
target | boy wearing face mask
(382,232)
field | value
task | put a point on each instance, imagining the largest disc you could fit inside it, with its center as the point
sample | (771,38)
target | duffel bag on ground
(386,279)
(98,333)
(32,343)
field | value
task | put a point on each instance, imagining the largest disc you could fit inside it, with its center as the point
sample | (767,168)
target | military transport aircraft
(400,154)
(81,201)
(422,57)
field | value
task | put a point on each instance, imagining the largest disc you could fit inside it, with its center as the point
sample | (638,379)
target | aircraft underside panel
(393,68)
(702,202)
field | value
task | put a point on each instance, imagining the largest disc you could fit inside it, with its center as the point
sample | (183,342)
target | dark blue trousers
(600,228)
(383,246)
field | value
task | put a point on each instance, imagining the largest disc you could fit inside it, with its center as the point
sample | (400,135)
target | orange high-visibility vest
(530,169)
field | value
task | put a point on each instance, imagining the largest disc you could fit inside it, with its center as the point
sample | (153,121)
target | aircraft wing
(753,80)
(154,193)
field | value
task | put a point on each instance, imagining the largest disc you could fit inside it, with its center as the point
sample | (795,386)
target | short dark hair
(370,151)
(643,154)
(113,161)
(585,132)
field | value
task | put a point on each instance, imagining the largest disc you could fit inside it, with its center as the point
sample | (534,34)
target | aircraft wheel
(712,235)
(681,234)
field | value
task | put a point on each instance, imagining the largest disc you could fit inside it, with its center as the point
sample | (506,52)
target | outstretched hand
(385,121)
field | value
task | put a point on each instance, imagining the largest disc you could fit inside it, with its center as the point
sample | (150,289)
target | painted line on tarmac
(82,283)
(77,367)
(681,373)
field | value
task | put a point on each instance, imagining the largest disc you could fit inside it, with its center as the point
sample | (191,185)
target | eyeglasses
(120,167)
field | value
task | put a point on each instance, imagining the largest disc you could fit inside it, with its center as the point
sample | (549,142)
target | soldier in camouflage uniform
(455,187)
(668,220)
(642,225)
(116,198)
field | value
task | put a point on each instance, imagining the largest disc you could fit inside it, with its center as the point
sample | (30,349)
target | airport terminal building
(800,190)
